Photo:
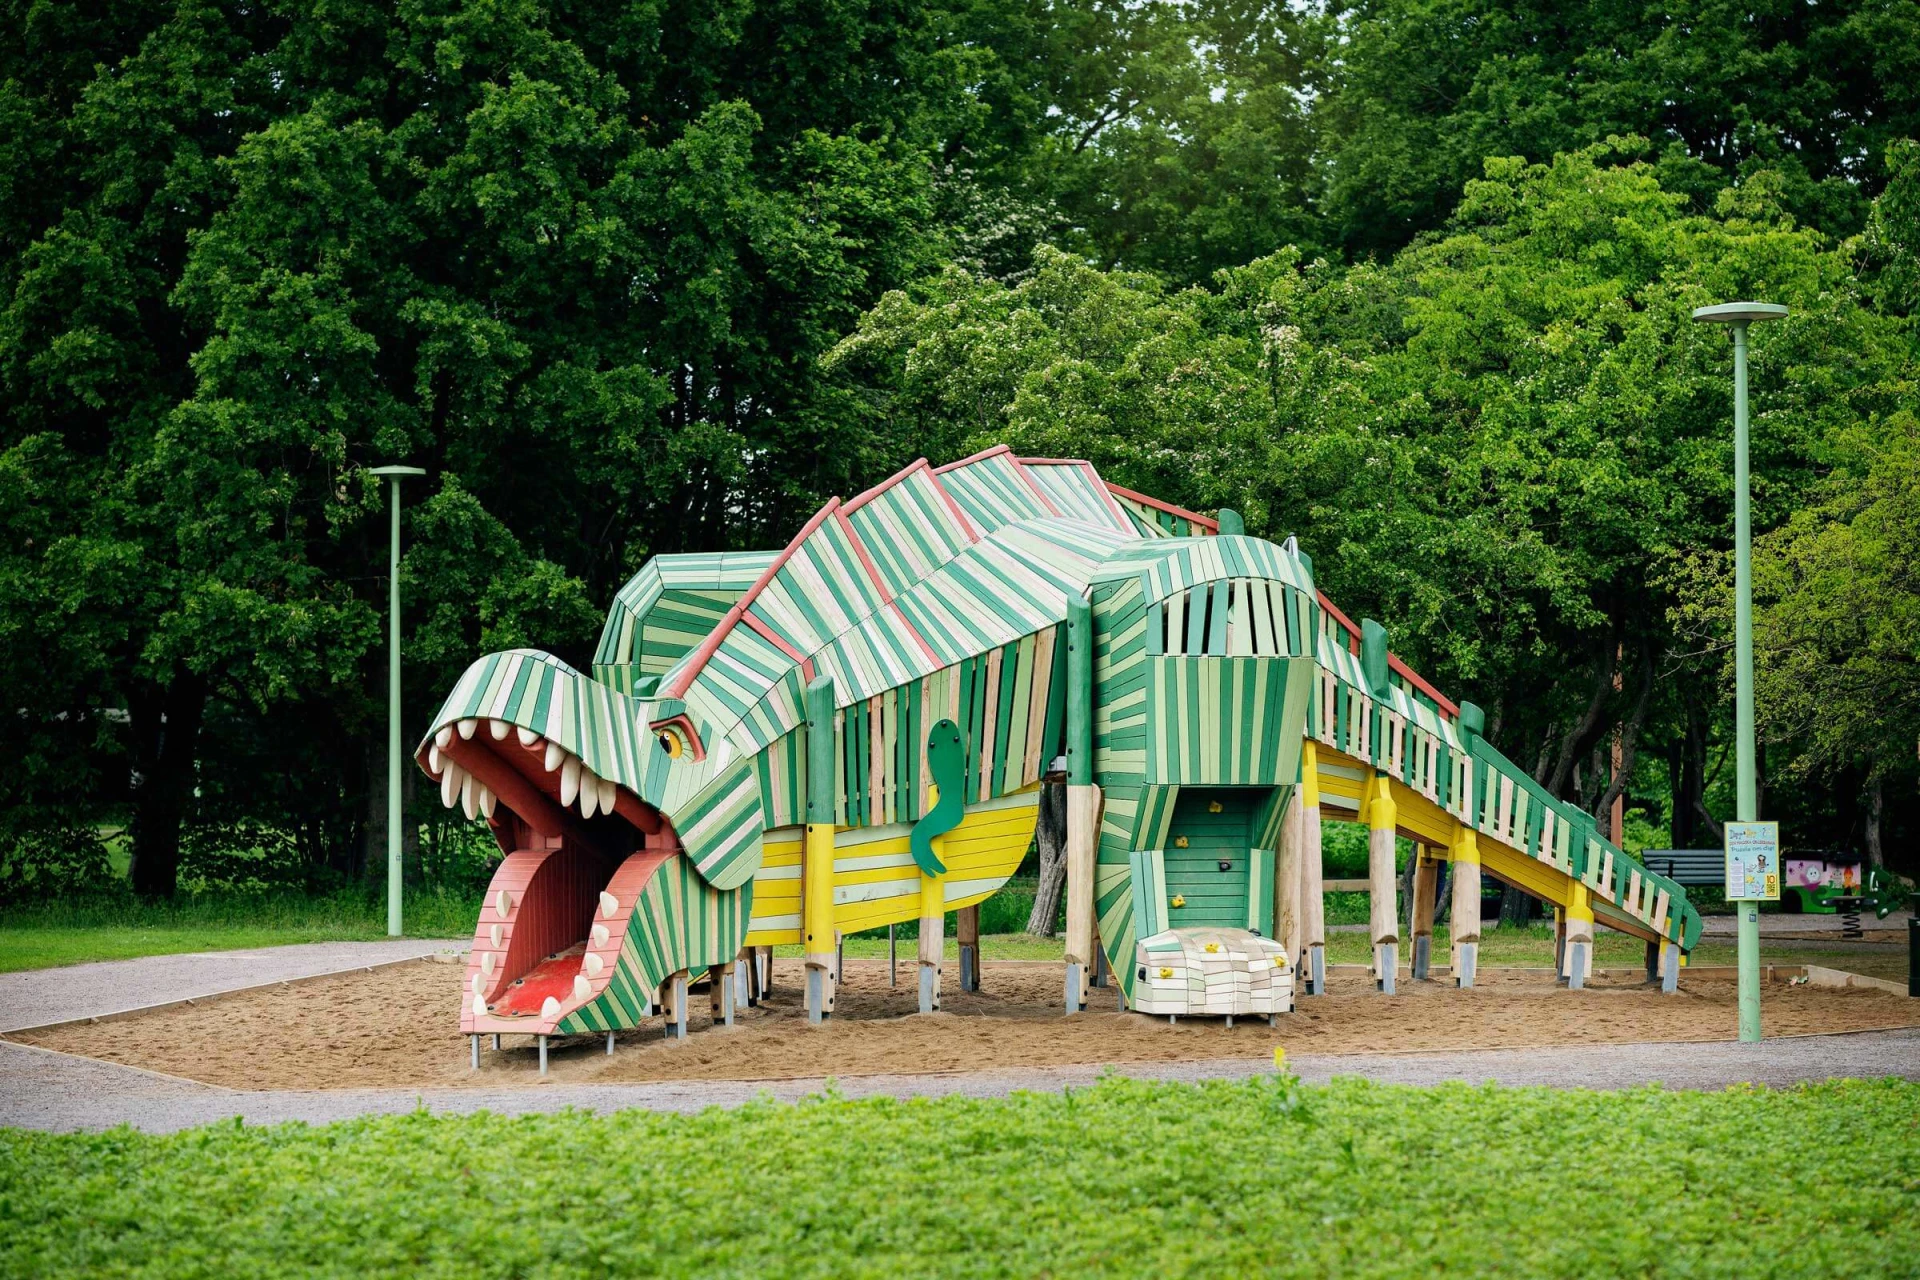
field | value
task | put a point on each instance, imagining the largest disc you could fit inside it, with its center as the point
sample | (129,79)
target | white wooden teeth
(599,934)
(593,964)
(527,736)
(549,1009)
(609,905)
(569,781)
(466,727)
(444,738)
(582,989)
(589,794)
(555,754)
(608,791)
(469,800)
(503,902)
(479,983)
(498,728)
(486,801)
(434,758)
(479,1005)
(450,784)
(496,934)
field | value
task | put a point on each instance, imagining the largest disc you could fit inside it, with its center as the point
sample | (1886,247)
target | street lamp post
(1738,316)
(395,474)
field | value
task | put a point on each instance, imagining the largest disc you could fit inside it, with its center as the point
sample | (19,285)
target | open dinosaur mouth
(580,848)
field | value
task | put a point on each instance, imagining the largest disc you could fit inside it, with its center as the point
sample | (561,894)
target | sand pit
(397,1027)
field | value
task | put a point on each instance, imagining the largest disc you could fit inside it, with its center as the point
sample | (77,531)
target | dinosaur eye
(672,744)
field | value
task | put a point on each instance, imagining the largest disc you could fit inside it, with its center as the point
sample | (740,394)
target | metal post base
(893,958)
(816,995)
(476,1052)
(543,1055)
(1071,995)
(1577,965)
(496,1042)
(929,988)
(742,986)
(1466,959)
(1653,963)
(1316,970)
(1670,979)
(1100,970)
(1386,960)
(678,1030)
(1422,956)
(969,968)
(726,1000)
(609,1044)
(839,956)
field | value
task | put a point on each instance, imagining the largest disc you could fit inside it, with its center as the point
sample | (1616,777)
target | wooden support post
(1313,899)
(766,971)
(1083,803)
(1559,944)
(1286,881)
(933,924)
(1579,961)
(1383,819)
(543,1055)
(967,926)
(720,993)
(1669,967)
(816,872)
(476,1052)
(1466,904)
(1426,879)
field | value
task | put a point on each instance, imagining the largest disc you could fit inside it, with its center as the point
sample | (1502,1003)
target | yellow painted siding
(875,880)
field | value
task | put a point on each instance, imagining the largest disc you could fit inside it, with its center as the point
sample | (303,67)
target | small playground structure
(781,747)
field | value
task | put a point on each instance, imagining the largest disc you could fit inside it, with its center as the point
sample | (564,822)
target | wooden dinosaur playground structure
(853,731)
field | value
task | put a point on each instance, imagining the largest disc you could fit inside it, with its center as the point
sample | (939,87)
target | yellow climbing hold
(1179,842)
(1179,900)
(1166,973)
(1213,948)
(1214,806)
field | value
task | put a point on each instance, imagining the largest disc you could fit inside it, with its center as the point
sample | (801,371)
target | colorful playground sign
(1753,861)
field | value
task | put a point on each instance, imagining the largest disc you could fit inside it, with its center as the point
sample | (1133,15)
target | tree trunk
(1516,906)
(1629,740)
(166,733)
(1050,840)
(1876,822)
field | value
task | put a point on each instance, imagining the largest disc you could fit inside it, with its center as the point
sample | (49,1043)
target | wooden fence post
(1313,898)
(1465,924)
(1383,819)
(816,872)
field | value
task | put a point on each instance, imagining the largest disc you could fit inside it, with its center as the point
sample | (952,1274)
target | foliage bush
(1258,1177)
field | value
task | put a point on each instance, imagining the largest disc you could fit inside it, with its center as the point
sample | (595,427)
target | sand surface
(399,1027)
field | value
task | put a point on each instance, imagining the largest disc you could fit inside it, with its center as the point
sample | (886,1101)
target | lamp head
(397,471)
(1739,313)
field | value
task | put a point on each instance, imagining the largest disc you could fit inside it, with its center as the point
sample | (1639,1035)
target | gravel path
(44,1090)
(35,997)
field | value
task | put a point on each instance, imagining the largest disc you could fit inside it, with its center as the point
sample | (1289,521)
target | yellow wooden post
(1383,820)
(1425,880)
(816,864)
(1579,961)
(1313,899)
(1466,904)
(933,920)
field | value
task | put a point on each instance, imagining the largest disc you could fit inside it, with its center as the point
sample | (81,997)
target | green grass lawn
(51,934)
(1260,1177)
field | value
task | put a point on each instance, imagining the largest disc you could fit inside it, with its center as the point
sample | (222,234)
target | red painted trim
(1099,485)
(863,498)
(774,638)
(685,722)
(705,651)
(1026,478)
(1213,526)
(913,631)
(974,457)
(866,559)
(1394,663)
(966,526)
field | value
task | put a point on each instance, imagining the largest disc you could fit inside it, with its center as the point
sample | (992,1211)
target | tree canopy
(1409,279)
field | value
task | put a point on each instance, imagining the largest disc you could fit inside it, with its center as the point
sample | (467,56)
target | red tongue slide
(551,977)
